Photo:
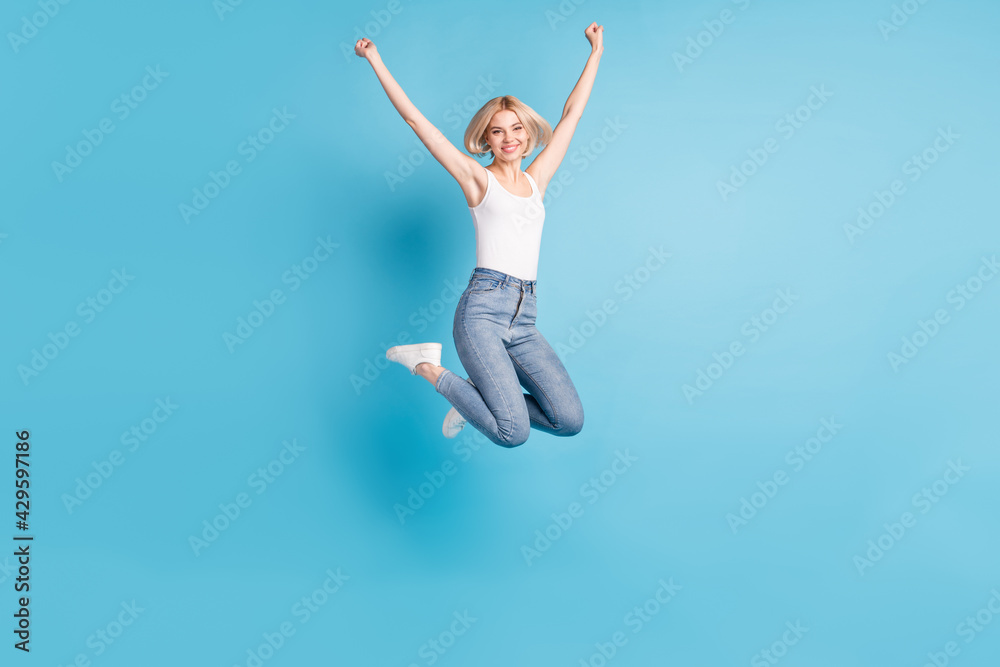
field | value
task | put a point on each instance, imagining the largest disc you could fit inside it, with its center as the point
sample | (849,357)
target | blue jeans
(501,350)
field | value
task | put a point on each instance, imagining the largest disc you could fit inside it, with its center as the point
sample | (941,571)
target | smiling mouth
(509,149)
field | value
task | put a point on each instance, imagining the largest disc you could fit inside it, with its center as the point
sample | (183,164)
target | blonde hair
(538,129)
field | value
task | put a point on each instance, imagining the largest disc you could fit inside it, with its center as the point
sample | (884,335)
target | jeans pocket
(484,285)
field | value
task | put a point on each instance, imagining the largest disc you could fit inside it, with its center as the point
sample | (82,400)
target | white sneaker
(453,424)
(453,421)
(418,353)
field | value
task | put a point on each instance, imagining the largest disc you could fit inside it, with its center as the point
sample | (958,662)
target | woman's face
(506,131)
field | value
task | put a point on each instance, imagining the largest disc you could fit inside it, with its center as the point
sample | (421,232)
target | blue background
(403,243)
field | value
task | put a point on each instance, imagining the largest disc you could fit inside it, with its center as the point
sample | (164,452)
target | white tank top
(509,229)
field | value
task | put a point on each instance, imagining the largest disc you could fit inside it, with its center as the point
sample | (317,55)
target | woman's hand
(595,35)
(365,48)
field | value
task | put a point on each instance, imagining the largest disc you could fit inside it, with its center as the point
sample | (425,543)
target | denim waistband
(504,278)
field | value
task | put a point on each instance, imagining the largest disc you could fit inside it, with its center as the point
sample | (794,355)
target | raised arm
(544,167)
(462,167)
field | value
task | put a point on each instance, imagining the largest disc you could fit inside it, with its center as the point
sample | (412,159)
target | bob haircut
(538,129)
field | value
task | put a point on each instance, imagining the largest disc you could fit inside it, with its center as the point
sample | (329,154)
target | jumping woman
(494,325)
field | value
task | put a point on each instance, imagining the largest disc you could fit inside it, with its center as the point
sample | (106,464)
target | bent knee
(515,438)
(571,423)
(516,435)
(513,441)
